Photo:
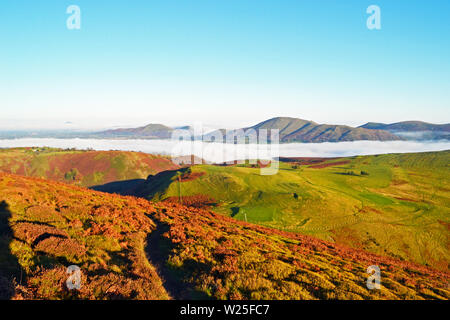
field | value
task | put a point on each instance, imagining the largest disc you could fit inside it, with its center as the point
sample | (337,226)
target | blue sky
(222,62)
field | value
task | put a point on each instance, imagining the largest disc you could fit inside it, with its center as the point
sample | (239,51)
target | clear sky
(222,62)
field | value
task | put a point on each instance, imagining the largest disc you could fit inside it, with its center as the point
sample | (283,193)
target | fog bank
(217,152)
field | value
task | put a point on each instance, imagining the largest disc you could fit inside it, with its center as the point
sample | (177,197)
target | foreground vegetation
(47,226)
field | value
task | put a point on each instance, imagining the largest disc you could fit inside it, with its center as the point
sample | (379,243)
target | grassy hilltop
(396,205)
(83,168)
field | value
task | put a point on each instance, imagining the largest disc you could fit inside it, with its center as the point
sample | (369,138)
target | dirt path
(157,251)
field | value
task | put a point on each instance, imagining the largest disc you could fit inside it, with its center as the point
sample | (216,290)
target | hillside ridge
(299,130)
(369,202)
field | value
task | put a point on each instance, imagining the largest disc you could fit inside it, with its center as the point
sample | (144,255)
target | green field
(398,207)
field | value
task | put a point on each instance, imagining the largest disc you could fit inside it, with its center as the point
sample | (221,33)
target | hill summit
(299,130)
(150,131)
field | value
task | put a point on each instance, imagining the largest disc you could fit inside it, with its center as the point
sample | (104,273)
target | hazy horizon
(87,125)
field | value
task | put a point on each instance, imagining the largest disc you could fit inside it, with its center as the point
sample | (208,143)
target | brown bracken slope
(130,248)
(83,168)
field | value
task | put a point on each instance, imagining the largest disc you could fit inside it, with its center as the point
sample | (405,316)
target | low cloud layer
(216,152)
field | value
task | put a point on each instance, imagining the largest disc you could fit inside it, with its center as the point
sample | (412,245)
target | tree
(179,186)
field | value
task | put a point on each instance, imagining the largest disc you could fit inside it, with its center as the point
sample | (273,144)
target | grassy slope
(84,168)
(400,209)
(48,226)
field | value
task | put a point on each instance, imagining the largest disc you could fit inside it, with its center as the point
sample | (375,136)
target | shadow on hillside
(159,182)
(124,187)
(158,249)
(144,188)
(352,174)
(10,269)
(234,211)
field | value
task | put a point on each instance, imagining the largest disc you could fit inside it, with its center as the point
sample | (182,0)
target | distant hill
(290,129)
(299,130)
(150,131)
(414,130)
(408,126)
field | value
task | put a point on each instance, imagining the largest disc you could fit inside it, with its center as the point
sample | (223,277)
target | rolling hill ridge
(291,130)
(150,131)
(407,126)
(396,205)
(414,130)
(299,130)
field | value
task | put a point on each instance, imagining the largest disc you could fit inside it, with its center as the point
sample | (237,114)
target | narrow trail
(157,251)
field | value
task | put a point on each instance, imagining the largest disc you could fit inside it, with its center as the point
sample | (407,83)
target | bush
(71,175)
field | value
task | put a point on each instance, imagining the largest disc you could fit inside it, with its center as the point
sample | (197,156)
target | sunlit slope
(85,168)
(47,226)
(396,205)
